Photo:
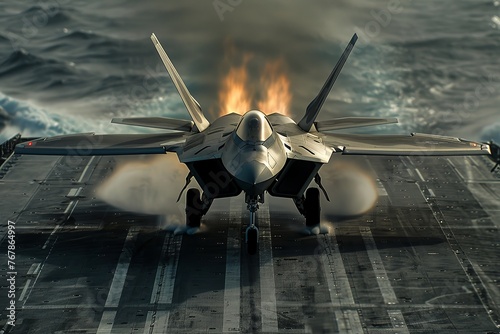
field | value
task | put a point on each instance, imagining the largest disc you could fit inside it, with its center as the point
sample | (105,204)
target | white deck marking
(455,168)
(25,289)
(106,324)
(381,189)
(419,175)
(158,322)
(74,192)
(348,322)
(398,321)
(336,276)
(116,288)
(380,186)
(267,285)
(85,169)
(338,285)
(378,267)
(232,290)
(68,211)
(148,325)
(163,288)
(161,322)
(396,316)
(33,270)
(50,236)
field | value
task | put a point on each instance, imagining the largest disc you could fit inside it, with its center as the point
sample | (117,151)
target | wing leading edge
(352,122)
(156,122)
(416,144)
(85,144)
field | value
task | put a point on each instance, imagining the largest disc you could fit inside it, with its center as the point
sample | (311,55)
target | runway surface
(424,260)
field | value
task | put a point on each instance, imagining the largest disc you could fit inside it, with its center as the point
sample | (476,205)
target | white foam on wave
(33,121)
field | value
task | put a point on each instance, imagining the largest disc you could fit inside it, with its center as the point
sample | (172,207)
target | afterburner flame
(233,96)
(274,89)
(277,96)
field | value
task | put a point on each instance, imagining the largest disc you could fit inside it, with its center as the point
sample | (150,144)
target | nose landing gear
(252,231)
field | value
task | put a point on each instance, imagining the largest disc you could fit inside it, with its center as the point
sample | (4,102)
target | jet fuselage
(254,154)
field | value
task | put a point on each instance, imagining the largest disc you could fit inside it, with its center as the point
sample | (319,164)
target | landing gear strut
(252,231)
(193,208)
(196,207)
(310,207)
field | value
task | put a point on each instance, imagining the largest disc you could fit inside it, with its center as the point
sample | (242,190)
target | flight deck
(423,260)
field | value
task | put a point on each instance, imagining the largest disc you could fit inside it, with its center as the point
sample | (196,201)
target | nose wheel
(252,239)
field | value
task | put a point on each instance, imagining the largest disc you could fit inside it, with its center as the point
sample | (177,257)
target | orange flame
(234,95)
(277,96)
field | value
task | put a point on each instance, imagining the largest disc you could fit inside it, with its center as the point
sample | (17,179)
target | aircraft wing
(109,144)
(416,144)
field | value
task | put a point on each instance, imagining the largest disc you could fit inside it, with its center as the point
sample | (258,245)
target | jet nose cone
(253,172)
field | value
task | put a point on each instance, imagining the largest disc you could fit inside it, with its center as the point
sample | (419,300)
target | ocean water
(70,66)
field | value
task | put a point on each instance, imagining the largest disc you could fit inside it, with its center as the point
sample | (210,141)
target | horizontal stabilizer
(156,122)
(314,107)
(192,106)
(352,122)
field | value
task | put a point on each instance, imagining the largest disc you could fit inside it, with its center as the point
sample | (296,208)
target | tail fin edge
(192,106)
(314,107)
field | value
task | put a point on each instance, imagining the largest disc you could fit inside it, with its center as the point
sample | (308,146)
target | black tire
(312,207)
(193,208)
(252,236)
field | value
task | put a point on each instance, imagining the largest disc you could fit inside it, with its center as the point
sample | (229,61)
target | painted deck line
(232,289)
(267,284)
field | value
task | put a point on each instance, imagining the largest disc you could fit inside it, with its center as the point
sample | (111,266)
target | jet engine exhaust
(150,186)
(352,190)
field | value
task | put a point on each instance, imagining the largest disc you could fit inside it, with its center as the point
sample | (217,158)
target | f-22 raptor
(255,153)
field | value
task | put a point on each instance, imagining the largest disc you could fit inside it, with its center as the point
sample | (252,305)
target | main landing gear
(196,207)
(310,207)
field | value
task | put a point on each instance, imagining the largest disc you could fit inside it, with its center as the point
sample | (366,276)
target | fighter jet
(254,153)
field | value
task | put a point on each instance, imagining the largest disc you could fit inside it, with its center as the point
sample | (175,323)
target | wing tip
(354,38)
(154,39)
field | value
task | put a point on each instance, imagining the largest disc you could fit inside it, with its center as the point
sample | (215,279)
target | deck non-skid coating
(424,260)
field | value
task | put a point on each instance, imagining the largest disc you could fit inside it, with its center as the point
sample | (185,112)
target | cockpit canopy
(254,127)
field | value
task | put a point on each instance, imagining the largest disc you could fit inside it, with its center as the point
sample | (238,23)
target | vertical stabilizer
(192,106)
(314,107)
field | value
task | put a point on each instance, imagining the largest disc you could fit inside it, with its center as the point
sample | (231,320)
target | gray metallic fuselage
(254,164)
(254,153)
